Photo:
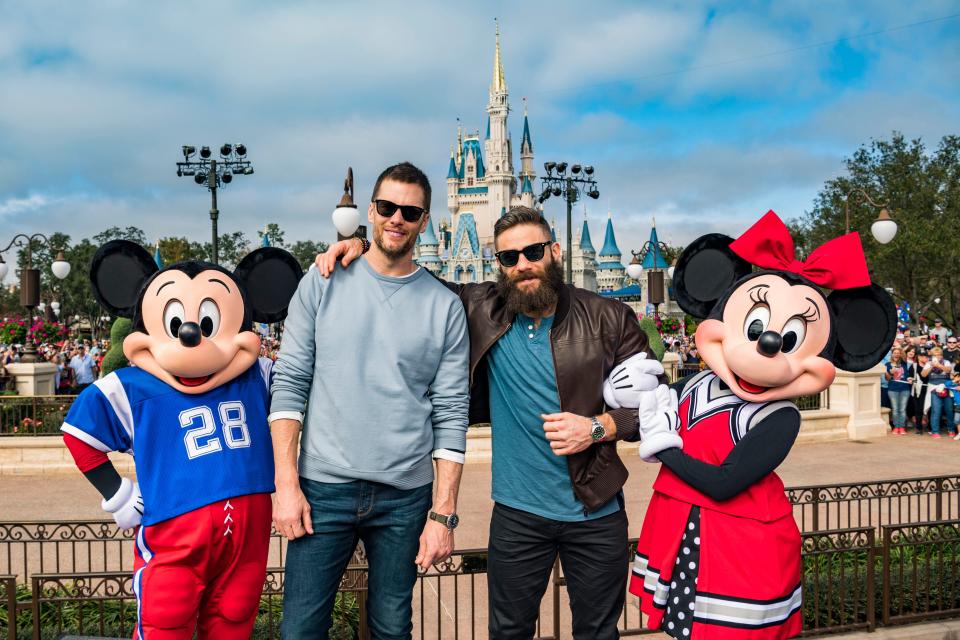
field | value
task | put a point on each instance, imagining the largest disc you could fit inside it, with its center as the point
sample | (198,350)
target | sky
(703,115)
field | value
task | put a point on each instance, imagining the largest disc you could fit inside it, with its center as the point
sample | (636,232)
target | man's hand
(291,512)
(349,250)
(436,544)
(567,433)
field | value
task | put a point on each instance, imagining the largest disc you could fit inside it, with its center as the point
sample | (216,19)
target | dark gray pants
(522,551)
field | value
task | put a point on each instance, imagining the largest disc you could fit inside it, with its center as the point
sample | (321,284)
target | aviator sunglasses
(532,252)
(409,212)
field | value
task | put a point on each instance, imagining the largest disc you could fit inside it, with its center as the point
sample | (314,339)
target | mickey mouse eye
(173,317)
(209,318)
(793,334)
(756,322)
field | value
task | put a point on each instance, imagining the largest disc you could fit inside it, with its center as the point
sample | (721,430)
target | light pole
(346,216)
(569,186)
(884,228)
(655,285)
(213,174)
(30,279)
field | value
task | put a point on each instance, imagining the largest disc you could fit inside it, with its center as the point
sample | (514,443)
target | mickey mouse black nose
(190,335)
(768,344)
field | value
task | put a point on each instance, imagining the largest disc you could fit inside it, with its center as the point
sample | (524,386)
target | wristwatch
(597,432)
(450,522)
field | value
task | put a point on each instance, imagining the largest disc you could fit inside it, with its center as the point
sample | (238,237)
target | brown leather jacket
(590,335)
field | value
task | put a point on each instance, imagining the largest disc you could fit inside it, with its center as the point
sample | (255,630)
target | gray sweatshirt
(379,365)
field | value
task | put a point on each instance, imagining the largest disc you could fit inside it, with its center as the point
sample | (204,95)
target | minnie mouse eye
(173,316)
(756,322)
(793,334)
(209,318)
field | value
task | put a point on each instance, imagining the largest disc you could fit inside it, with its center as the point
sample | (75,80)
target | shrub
(114,359)
(653,336)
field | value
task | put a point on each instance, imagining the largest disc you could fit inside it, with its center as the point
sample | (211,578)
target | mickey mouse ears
(270,277)
(706,270)
(117,272)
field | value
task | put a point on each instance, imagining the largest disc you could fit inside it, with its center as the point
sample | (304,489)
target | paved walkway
(71,497)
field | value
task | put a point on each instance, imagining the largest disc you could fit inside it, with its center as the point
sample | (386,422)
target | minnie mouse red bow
(836,264)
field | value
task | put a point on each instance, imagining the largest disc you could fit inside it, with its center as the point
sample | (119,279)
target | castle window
(469,182)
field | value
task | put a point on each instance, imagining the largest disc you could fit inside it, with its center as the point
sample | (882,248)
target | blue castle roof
(585,243)
(428,238)
(610,242)
(526,133)
(654,258)
(527,186)
(467,225)
(473,145)
(452,171)
(157,258)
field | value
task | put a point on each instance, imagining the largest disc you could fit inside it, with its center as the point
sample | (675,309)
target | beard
(393,253)
(540,299)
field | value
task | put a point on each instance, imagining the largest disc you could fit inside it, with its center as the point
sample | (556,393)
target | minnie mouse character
(193,412)
(719,552)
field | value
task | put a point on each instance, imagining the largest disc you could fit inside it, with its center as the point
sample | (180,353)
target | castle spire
(499,84)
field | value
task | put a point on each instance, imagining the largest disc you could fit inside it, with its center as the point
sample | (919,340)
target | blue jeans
(389,521)
(898,406)
(941,406)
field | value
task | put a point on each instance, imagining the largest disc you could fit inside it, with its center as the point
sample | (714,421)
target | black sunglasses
(409,212)
(533,253)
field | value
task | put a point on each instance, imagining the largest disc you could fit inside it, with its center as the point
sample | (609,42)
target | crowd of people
(921,385)
(79,361)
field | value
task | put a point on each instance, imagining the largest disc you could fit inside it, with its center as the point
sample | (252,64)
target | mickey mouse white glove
(126,505)
(659,422)
(629,379)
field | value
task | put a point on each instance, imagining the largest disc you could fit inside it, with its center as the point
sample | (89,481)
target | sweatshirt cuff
(285,415)
(447,454)
(627,425)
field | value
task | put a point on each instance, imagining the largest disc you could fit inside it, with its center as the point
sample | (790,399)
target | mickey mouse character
(719,552)
(193,412)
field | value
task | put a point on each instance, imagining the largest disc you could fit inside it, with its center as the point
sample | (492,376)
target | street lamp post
(569,186)
(655,284)
(884,228)
(30,279)
(213,174)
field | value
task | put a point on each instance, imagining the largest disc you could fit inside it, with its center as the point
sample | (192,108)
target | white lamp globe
(55,305)
(3,269)
(670,272)
(883,229)
(60,266)
(635,270)
(346,220)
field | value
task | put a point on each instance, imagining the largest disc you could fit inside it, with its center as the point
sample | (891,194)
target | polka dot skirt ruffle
(681,598)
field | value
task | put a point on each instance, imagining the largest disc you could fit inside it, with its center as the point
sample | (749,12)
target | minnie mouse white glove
(659,422)
(126,505)
(629,379)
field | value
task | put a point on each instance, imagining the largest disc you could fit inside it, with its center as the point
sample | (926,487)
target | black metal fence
(73,577)
(33,415)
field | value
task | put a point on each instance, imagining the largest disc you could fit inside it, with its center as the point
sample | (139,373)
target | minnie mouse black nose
(768,344)
(190,335)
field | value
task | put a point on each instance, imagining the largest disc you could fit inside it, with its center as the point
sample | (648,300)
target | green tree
(115,359)
(273,232)
(306,250)
(653,336)
(922,191)
(133,234)
(174,250)
(231,248)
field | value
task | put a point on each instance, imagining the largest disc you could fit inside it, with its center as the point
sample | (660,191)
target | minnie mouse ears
(117,272)
(864,323)
(705,272)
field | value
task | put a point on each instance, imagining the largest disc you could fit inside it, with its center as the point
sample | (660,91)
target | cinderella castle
(482,185)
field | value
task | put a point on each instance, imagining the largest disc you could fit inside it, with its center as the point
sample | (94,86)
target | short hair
(520,215)
(408,174)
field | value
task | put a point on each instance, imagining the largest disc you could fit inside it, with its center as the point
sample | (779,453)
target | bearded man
(373,370)
(540,351)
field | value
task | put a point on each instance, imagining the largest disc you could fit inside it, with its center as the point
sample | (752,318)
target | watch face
(598,432)
(453,521)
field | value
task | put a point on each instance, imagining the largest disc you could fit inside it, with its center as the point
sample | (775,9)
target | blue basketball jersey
(189,450)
